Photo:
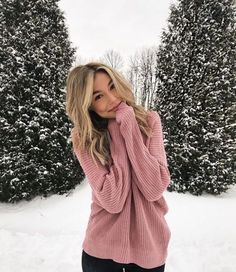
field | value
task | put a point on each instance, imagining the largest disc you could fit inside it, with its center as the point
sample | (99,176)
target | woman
(120,147)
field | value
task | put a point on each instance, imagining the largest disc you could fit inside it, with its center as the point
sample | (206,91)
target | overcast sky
(125,26)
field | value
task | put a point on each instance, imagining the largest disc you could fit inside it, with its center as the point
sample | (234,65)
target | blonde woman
(120,147)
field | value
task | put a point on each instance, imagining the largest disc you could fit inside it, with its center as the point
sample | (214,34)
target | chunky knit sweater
(127,221)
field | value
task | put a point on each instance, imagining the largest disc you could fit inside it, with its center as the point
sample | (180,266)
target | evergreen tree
(35,154)
(196,95)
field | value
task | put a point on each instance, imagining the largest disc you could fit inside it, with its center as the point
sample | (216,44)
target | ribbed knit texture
(127,221)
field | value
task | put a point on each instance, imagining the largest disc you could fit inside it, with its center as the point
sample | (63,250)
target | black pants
(94,264)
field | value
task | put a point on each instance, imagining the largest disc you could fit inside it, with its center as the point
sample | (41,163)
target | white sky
(125,26)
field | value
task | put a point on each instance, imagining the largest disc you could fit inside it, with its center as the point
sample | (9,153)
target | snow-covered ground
(46,234)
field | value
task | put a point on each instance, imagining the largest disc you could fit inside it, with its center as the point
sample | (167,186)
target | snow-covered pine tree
(196,95)
(36,54)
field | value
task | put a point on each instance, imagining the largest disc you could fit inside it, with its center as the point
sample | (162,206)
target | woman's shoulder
(74,136)
(153,116)
(72,133)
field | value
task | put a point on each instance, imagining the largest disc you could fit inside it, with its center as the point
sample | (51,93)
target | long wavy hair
(90,130)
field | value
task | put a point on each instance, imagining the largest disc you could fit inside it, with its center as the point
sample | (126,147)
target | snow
(46,234)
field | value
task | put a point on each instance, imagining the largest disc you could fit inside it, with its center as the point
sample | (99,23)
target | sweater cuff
(123,112)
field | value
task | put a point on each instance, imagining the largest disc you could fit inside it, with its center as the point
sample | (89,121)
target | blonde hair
(90,130)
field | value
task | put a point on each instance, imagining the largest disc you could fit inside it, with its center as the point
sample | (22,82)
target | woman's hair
(90,130)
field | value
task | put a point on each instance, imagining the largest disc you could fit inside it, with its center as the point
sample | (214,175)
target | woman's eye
(97,97)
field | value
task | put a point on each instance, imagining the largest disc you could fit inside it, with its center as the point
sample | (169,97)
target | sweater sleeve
(149,164)
(111,184)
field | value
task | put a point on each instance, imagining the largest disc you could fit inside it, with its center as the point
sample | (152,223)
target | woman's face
(104,96)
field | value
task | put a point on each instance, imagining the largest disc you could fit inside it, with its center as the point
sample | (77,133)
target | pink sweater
(127,221)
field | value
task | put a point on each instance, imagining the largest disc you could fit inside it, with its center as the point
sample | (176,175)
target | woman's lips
(115,107)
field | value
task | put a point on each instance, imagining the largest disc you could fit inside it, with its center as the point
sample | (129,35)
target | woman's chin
(110,114)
